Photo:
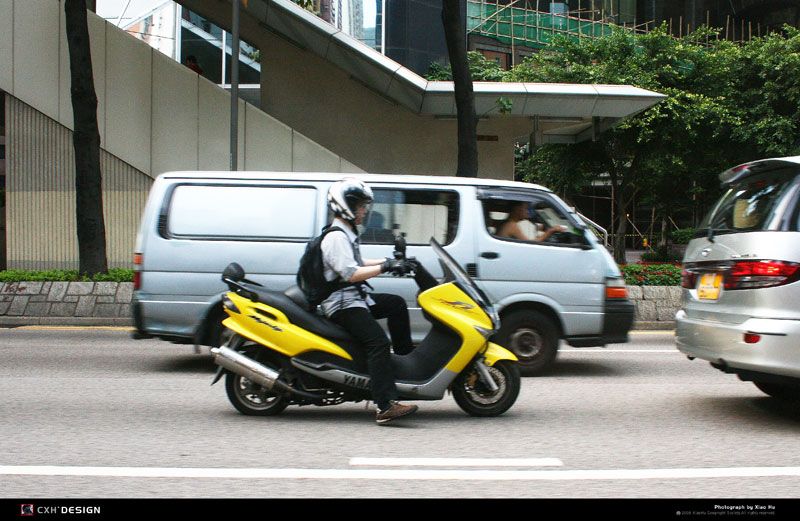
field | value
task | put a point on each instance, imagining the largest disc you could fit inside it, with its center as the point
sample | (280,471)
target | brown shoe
(396,410)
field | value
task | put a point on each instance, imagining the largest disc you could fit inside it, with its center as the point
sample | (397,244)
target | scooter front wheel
(251,399)
(476,399)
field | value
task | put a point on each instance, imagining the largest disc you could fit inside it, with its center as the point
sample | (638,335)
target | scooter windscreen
(454,271)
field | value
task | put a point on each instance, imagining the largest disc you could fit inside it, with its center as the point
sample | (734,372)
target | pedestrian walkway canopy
(564,113)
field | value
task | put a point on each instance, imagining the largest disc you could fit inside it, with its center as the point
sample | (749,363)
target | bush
(682,236)
(651,274)
(113,275)
(661,254)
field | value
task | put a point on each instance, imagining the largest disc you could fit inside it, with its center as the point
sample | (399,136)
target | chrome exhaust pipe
(247,367)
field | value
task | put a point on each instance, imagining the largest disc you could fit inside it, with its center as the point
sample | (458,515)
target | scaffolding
(515,24)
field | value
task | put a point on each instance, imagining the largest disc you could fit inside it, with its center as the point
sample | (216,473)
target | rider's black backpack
(311,275)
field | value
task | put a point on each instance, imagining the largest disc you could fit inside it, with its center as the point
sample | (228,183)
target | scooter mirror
(233,271)
(400,246)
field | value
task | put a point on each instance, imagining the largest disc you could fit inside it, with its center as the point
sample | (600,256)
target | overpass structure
(328,103)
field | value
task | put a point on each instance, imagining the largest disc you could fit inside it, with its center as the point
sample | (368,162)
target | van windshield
(747,206)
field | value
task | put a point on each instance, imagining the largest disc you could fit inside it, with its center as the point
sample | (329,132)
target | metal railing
(598,230)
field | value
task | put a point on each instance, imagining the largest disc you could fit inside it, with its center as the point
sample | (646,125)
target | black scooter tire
(477,400)
(236,387)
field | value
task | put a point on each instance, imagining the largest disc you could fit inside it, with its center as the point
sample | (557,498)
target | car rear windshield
(749,205)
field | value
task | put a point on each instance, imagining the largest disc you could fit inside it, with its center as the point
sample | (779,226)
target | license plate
(709,286)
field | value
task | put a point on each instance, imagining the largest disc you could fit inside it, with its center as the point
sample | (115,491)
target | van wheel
(532,337)
(783,392)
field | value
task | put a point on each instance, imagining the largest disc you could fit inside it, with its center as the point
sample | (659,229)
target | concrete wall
(40,195)
(655,304)
(154,114)
(351,120)
(65,303)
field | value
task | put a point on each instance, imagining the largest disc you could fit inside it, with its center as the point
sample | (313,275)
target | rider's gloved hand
(396,267)
(412,264)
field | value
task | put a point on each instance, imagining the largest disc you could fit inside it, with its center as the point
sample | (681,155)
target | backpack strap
(340,284)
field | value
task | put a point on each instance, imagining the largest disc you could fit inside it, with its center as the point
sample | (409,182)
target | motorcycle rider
(355,307)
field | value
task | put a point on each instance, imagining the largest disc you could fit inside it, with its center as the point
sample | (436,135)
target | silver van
(741,297)
(555,282)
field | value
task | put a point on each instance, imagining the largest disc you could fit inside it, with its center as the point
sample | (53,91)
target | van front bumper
(723,344)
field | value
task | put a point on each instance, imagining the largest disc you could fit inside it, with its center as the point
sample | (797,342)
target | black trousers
(363,326)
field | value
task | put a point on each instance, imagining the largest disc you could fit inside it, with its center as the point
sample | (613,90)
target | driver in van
(355,307)
(510,227)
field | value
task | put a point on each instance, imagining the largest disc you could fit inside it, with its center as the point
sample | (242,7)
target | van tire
(532,337)
(784,392)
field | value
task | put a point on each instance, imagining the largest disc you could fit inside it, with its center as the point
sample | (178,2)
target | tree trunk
(462,83)
(622,229)
(86,141)
(621,210)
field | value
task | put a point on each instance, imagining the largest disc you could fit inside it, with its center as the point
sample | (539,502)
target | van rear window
(747,206)
(242,212)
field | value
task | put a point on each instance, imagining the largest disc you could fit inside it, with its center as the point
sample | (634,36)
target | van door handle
(490,255)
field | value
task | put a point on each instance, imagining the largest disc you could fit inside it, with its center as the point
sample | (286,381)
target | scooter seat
(299,316)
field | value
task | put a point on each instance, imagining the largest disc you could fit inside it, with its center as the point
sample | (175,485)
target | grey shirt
(341,257)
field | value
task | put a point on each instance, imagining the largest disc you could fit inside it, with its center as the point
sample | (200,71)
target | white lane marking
(375,474)
(457,462)
(584,350)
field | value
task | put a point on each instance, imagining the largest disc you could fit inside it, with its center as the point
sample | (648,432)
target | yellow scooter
(282,354)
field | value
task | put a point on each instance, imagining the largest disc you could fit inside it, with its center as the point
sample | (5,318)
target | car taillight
(752,338)
(615,288)
(688,279)
(761,274)
(137,273)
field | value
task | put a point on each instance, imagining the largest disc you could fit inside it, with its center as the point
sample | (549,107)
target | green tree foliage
(768,94)
(727,103)
(481,68)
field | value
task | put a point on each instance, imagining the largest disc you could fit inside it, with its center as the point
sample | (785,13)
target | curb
(666,325)
(64,321)
(6,321)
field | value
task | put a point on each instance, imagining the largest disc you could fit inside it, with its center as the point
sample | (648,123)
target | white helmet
(346,195)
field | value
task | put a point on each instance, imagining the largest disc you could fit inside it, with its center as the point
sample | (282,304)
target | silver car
(741,296)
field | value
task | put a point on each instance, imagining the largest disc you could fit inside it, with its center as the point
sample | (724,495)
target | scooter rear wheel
(249,397)
(475,398)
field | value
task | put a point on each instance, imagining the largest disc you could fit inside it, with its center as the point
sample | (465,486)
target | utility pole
(234,154)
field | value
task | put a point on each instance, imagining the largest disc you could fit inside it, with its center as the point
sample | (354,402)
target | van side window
(241,212)
(527,219)
(420,214)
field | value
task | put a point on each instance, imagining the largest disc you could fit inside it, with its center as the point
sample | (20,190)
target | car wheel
(532,337)
(783,392)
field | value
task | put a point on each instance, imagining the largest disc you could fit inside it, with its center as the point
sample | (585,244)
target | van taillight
(615,288)
(137,274)
(760,274)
